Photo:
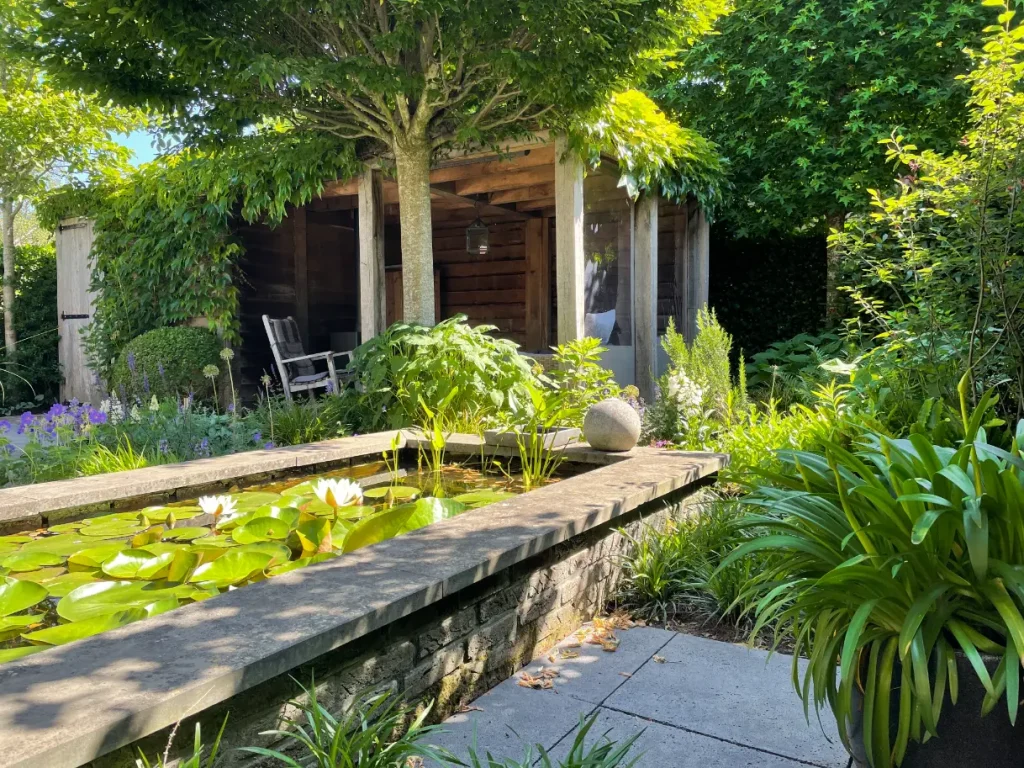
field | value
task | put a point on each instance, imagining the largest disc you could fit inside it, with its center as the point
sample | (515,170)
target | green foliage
(654,153)
(797,93)
(33,374)
(941,281)
(579,377)
(411,364)
(166,362)
(287,422)
(547,412)
(371,734)
(193,760)
(677,571)
(789,369)
(899,550)
(122,457)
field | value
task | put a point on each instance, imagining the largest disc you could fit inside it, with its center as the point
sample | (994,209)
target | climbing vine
(164,250)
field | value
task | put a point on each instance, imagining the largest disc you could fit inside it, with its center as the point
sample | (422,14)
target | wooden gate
(74,309)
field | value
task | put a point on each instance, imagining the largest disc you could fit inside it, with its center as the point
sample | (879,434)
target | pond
(77,579)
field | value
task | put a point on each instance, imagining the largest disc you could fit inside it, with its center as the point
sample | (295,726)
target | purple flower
(74,402)
(231,407)
(268,445)
(26,420)
(5,427)
(330,387)
(57,409)
(145,382)
(162,446)
(8,449)
(131,362)
(257,436)
(160,368)
(97,417)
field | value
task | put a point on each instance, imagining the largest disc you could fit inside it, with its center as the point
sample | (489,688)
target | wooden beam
(536,205)
(536,192)
(338,187)
(298,217)
(372,308)
(569,253)
(494,210)
(497,182)
(463,169)
(538,285)
(681,280)
(645,301)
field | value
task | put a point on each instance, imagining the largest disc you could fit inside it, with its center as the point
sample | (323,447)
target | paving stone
(596,673)
(661,746)
(509,720)
(730,692)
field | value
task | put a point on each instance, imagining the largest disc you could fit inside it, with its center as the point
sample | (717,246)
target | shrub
(33,376)
(788,370)
(167,362)
(893,558)
(578,375)
(410,365)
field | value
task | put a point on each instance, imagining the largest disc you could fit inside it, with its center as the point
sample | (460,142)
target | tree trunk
(835,220)
(7,225)
(412,161)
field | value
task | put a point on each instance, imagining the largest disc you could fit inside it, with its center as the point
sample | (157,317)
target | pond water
(74,580)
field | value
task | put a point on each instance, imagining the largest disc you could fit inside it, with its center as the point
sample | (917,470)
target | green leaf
(30,561)
(102,598)
(79,630)
(13,654)
(18,595)
(476,499)
(399,520)
(302,562)
(186,533)
(232,568)
(392,492)
(262,529)
(94,557)
(128,564)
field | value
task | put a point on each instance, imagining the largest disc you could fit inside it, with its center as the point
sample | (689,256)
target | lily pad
(103,598)
(94,557)
(64,544)
(315,536)
(183,564)
(278,552)
(251,500)
(482,498)
(186,533)
(302,562)
(65,527)
(79,630)
(401,519)
(111,530)
(289,514)
(30,561)
(262,529)
(394,492)
(18,595)
(12,654)
(234,567)
(356,513)
(149,536)
(41,575)
(61,585)
(129,563)
(24,620)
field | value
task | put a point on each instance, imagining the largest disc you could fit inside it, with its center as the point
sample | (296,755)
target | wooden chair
(298,374)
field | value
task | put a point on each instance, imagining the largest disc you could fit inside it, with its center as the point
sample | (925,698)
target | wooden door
(74,309)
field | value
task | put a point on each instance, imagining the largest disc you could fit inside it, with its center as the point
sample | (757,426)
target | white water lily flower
(338,492)
(221,507)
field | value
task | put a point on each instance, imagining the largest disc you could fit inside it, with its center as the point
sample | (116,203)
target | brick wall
(448,653)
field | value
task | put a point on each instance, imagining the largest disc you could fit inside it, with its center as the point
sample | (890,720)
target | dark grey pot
(966,739)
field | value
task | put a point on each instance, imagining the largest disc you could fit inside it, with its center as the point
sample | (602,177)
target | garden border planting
(78,702)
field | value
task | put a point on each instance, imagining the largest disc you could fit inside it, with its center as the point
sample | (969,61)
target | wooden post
(298,217)
(681,262)
(645,286)
(569,242)
(699,246)
(372,318)
(75,305)
(538,285)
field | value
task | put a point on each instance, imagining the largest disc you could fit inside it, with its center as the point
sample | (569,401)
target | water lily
(221,507)
(338,492)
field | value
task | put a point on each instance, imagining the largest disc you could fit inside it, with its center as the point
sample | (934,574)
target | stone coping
(31,506)
(70,704)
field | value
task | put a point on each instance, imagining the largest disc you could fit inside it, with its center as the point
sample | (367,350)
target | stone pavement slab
(662,746)
(732,693)
(703,704)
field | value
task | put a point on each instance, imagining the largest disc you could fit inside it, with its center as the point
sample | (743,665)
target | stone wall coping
(70,704)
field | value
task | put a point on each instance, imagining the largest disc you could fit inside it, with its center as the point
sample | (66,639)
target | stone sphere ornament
(611,425)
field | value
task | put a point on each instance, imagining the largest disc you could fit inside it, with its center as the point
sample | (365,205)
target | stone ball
(611,425)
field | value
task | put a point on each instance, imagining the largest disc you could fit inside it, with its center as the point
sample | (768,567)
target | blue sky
(141,144)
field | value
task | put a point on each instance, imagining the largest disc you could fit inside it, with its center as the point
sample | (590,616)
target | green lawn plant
(577,373)
(547,413)
(891,557)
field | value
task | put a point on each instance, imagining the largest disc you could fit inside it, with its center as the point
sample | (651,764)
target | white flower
(338,492)
(221,507)
(154,404)
(685,393)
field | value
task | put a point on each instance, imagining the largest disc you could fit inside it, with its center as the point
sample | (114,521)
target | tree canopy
(49,134)
(798,94)
(404,79)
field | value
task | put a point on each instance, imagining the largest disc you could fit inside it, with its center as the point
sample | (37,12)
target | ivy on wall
(164,249)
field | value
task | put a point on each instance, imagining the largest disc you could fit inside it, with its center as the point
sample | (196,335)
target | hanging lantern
(478,240)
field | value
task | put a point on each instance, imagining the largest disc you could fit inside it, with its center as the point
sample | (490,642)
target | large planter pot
(965,737)
(559,437)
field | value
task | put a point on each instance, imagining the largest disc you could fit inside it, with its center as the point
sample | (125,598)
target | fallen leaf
(570,655)
(414,762)
(625,674)
(659,659)
(551,658)
(610,644)
(537,682)
(466,708)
